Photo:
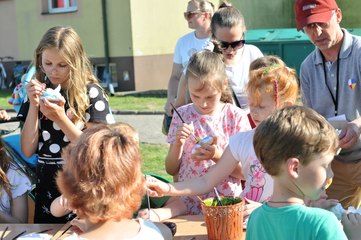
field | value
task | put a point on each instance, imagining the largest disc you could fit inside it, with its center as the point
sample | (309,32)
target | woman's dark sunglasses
(234,45)
(189,15)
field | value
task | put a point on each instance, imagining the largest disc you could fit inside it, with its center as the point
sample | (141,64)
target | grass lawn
(137,102)
(153,159)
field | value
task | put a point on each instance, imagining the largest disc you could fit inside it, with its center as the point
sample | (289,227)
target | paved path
(148,126)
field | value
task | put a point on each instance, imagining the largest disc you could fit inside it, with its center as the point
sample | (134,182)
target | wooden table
(192,227)
(189,227)
(55,230)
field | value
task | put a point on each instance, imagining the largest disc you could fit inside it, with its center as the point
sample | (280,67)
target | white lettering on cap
(309,6)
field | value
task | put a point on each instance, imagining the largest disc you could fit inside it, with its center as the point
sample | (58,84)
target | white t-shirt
(238,73)
(19,183)
(187,46)
(259,184)
(148,230)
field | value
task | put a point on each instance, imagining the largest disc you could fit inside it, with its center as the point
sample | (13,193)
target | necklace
(285,202)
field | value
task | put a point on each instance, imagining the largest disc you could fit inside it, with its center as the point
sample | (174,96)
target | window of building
(99,72)
(62,6)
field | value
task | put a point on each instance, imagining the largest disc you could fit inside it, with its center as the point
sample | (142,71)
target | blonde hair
(204,6)
(102,177)
(208,68)
(277,79)
(265,61)
(5,162)
(293,132)
(70,47)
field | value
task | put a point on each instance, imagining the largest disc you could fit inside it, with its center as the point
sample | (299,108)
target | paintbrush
(180,117)
(18,235)
(217,196)
(3,234)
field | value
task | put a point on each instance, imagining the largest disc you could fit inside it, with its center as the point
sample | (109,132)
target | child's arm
(352,225)
(214,153)
(19,211)
(59,207)
(173,158)
(196,186)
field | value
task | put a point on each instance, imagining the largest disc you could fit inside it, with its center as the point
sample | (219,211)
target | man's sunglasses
(234,45)
(189,15)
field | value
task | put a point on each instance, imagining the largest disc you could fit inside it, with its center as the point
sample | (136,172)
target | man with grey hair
(330,84)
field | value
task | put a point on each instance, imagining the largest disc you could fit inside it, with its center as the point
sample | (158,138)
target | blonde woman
(198,16)
(51,123)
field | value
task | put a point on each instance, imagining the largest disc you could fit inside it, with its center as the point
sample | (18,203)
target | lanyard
(334,98)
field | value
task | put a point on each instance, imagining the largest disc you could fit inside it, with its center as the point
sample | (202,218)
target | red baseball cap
(311,11)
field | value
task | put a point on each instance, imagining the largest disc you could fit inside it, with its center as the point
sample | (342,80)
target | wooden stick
(175,110)
(3,234)
(18,235)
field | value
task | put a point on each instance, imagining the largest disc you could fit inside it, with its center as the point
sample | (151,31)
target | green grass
(153,159)
(4,96)
(135,102)
(138,103)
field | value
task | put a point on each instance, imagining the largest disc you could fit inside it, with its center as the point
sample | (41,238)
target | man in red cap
(331,85)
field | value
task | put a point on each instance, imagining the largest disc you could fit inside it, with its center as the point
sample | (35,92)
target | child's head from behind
(228,29)
(102,179)
(207,81)
(60,57)
(265,61)
(297,144)
(270,88)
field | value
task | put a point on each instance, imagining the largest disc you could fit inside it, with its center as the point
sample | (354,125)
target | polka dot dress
(51,141)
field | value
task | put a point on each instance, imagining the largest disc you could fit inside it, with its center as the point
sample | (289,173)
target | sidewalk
(148,124)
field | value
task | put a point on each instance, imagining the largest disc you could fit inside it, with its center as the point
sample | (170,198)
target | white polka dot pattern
(56,127)
(54,148)
(46,135)
(93,92)
(110,118)
(99,106)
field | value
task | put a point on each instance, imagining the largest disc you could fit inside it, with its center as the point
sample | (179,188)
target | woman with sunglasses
(198,15)
(52,123)
(228,28)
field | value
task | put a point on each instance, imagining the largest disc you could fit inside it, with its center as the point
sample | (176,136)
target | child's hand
(4,115)
(157,188)
(207,152)
(323,203)
(249,207)
(80,225)
(352,225)
(63,202)
(53,110)
(34,89)
(183,132)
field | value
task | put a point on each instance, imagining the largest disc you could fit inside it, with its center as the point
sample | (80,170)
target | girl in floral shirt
(211,114)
